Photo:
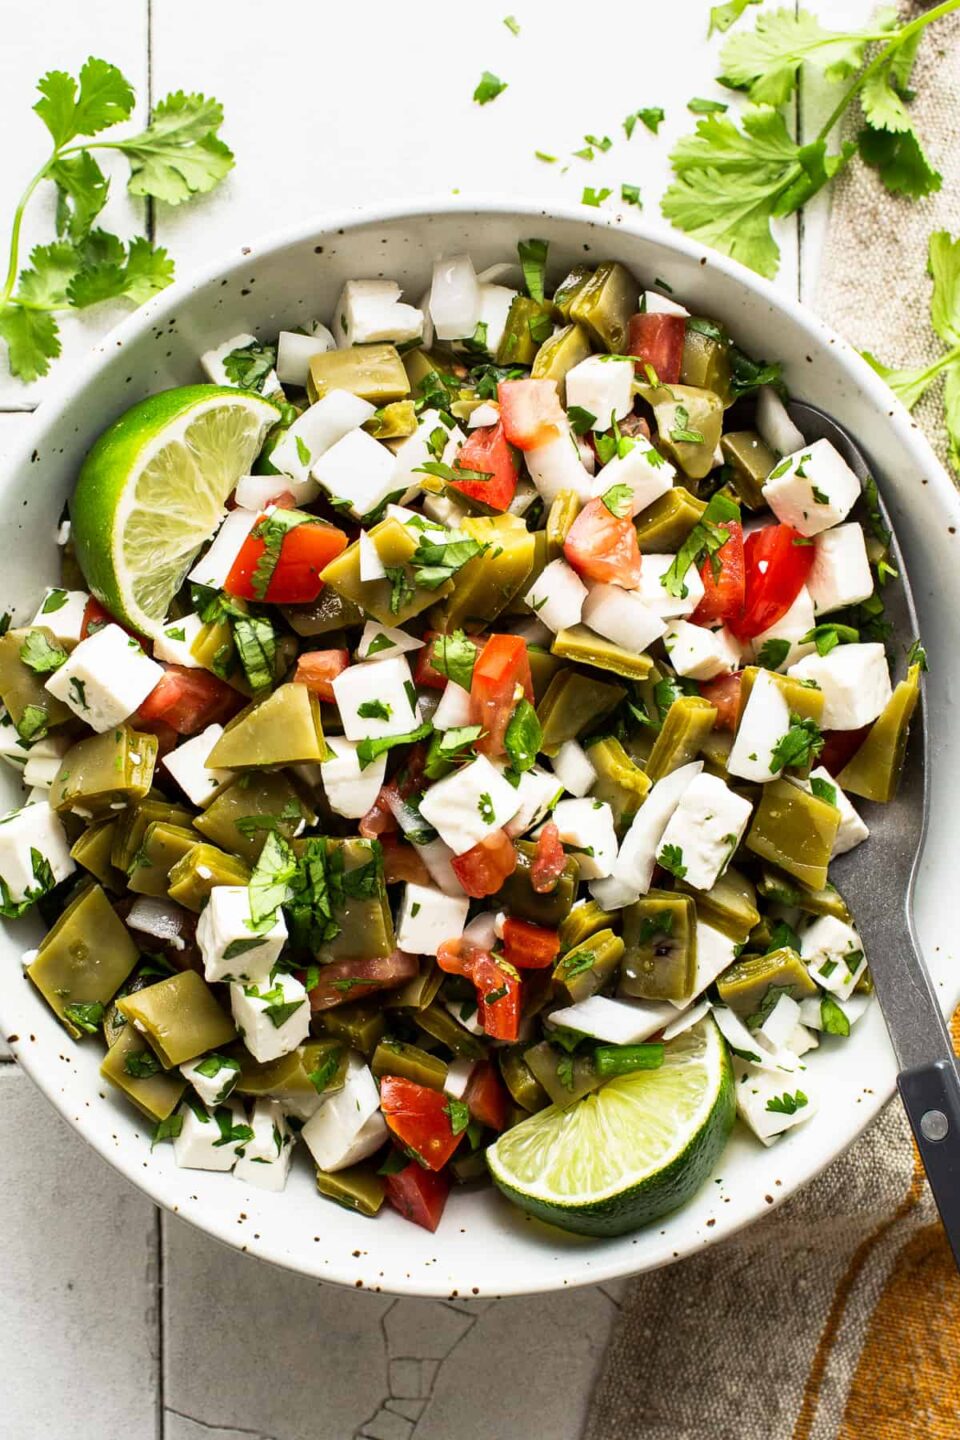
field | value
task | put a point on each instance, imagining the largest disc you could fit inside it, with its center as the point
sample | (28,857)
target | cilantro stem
(14,261)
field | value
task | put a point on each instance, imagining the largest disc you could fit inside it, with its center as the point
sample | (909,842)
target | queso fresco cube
(812,489)
(105,678)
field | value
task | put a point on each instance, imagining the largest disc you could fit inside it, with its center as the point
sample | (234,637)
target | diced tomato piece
(530,412)
(529,947)
(457,956)
(486,1096)
(306,549)
(317,669)
(95,617)
(420,1119)
(723,581)
(419,1195)
(724,693)
(486,450)
(382,815)
(602,546)
(402,863)
(841,746)
(189,700)
(657,341)
(549,861)
(378,820)
(344,981)
(777,561)
(483,870)
(498,997)
(500,674)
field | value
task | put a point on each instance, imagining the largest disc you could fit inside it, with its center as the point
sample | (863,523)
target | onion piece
(774,423)
(159,918)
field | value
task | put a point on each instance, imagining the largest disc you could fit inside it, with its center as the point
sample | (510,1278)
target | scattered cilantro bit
(326,1070)
(178,156)
(512,24)
(707,537)
(56,599)
(618,500)
(787,1104)
(594,197)
(828,636)
(273,530)
(401,588)
(917,655)
(630,195)
(533,263)
(681,432)
(459,1114)
(832,1018)
(449,748)
(488,88)
(167,1129)
(783,937)
(801,744)
(723,16)
(773,653)
(141,1064)
(256,642)
(699,106)
(269,886)
(249,366)
(581,420)
(42,873)
(824,790)
(78,692)
(433,564)
(652,117)
(671,858)
(439,471)
(370,750)
(599,142)
(374,710)
(485,806)
(454,656)
(85,1015)
(41,655)
(547,159)
(523,737)
(380,642)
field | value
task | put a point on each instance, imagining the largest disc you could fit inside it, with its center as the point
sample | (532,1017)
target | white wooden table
(121,1321)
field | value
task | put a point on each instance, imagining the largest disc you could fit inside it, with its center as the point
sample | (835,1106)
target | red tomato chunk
(419,1195)
(420,1119)
(602,546)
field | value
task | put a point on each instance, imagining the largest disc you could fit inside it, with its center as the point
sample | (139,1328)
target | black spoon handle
(931,1098)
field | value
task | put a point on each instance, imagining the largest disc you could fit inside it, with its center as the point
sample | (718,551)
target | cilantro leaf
(707,537)
(766,60)
(900,162)
(944,267)
(773,653)
(787,1104)
(618,500)
(104,98)
(41,655)
(801,744)
(523,737)
(671,858)
(533,263)
(270,883)
(249,366)
(82,190)
(179,155)
(370,750)
(723,16)
(488,88)
(454,655)
(32,340)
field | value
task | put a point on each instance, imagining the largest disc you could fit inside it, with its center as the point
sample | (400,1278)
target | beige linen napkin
(838,1316)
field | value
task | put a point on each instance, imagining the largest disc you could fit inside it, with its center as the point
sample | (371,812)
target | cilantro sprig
(178,156)
(731,182)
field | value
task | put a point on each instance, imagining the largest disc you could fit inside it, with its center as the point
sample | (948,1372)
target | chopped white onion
(159,918)
(774,423)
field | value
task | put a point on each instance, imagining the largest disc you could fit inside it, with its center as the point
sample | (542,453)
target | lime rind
(630,1152)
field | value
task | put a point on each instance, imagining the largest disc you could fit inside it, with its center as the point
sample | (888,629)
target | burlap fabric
(838,1316)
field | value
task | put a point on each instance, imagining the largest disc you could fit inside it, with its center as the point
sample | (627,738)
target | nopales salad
(437,745)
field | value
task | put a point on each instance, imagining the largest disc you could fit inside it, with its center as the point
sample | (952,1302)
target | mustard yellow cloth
(838,1316)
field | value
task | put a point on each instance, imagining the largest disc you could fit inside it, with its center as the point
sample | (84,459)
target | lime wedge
(152,491)
(635,1149)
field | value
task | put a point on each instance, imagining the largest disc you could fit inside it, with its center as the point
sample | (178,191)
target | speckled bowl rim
(572,1261)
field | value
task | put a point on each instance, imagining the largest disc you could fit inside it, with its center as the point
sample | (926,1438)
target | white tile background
(122,1323)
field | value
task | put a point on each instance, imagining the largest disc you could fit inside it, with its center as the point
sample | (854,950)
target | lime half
(635,1149)
(152,491)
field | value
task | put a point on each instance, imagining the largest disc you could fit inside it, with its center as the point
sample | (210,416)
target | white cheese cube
(621,616)
(359,469)
(769,1103)
(635,863)
(558,466)
(763,724)
(495,302)
(557,596)
(230,948)
(745,1045)
(812,489)
(377,698)
(642,468)
(852,830)
(536,792)
(214,1077)
(573,769)
(215,564)
(841,573)
(833,953)
(264,1161)
(798,621)
(273,1018)
(706,828)
(454,708)
(437,857)
(44,759)
(428,917)
(615,1022)
(603,387)
(175,642)
(855,681)
(12,748)
(458,1078)
(433,440)
(202,1144)
(699,653)
(295,350)
(454,298)
(62,611)
(188,766)
(31,839)
(653,303)
(320,427)
(381,642)
(371,566)
(371,311)
(776,1031)
(105,678)
(256,492)
(213,366)
(348,1126)
(655,594)
(716,952)
(811,1011)
(586,827)
(350,791)
(469,805)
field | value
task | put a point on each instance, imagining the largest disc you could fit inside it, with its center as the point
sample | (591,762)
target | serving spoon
(881,876)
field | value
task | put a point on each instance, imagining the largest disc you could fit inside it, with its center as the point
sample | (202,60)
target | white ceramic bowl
(484,1246)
